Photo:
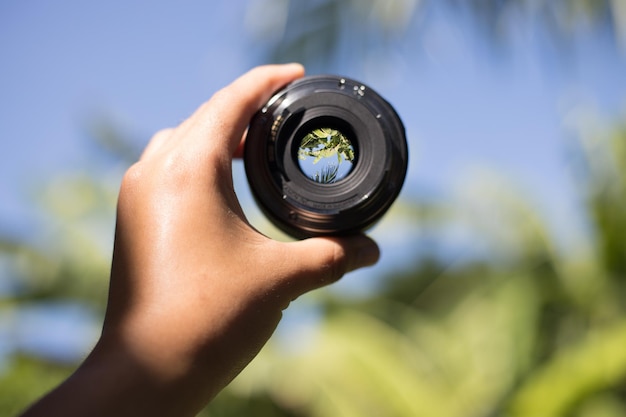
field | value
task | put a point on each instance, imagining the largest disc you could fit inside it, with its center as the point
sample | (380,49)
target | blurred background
(501,288)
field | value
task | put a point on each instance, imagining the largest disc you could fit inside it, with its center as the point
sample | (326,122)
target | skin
(195,291)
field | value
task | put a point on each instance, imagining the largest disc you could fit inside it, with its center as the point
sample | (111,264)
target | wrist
(113,380)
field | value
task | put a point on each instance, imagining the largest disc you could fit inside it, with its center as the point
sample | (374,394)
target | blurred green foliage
(24,380)
(528,330)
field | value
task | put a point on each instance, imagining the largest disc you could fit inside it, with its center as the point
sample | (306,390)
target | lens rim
(291,200)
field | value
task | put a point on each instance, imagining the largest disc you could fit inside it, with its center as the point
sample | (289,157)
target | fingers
(220,123)
(321,261)
(222,120)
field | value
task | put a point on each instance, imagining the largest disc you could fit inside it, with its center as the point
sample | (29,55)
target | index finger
(226,115)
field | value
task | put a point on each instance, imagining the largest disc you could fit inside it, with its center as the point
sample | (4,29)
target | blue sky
(146,65)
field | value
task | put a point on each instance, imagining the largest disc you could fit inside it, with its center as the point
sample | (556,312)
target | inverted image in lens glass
(326,155)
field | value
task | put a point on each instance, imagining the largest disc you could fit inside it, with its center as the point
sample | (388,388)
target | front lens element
(326,155)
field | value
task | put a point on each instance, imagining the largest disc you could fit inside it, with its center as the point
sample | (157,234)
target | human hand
(195,290)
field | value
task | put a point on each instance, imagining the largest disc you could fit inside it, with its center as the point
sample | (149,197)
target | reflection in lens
(325,155)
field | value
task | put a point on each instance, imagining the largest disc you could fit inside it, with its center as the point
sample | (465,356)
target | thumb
(320,261)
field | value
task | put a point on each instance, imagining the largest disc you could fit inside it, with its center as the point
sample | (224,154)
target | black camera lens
(325,156)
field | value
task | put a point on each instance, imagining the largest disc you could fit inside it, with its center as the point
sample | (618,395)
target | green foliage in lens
(324,143)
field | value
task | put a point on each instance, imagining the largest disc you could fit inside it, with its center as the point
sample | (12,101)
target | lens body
(325,156)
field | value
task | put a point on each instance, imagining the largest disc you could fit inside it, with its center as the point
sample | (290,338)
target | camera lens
(325,156)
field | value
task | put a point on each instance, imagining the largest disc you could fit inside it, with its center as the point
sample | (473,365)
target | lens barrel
(320,117)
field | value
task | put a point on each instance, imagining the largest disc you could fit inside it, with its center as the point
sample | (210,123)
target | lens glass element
(326,155)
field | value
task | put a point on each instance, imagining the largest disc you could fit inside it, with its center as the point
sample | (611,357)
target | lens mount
(321,117)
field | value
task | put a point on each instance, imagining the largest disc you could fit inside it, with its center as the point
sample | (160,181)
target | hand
(195,290)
